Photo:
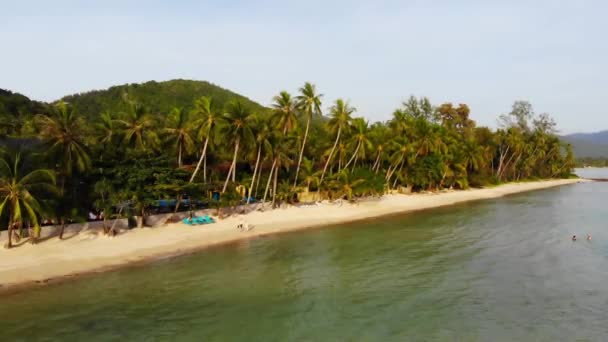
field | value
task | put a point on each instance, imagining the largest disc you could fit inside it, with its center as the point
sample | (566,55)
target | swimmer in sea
(573,237)
(589,237)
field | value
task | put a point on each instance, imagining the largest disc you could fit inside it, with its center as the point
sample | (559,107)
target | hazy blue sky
(374,53)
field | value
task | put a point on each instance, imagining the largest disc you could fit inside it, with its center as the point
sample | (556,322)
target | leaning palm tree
(340,113)
(284,114)
(138,128)
(360,139)
(309,103)
(178,131)
(238,128)
(18,189)
(209,121)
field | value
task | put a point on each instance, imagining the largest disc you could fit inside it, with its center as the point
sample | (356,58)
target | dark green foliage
(157,97)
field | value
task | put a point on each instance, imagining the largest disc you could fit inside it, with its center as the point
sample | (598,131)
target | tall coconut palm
(238,127)
(209,121)
(284,115)
(138,128)
(18,193)
(262,140)
(64,133)
(309,104)
(341,116)
(178,131)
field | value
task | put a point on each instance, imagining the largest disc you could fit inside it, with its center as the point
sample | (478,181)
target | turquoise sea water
(498,270)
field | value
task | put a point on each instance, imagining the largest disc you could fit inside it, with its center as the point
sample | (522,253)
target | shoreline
(88,253)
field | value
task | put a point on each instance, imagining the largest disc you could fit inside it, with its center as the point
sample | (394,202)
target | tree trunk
(112,231)
(274,187)
(269,179)
(295,181)
(376,163)
(400,169)
(141,220)
(233,167)
(62,221)
(179,155)
(354,155)
(205,169)
(10,231)
(330,155)
(255,171)
(257,183)
(200,160)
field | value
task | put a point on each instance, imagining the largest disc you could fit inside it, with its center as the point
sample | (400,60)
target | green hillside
(16,110)
(158,97)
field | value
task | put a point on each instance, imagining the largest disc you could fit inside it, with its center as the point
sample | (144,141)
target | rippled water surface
(499,270)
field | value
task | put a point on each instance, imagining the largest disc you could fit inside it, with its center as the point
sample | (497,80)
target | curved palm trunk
(255,171)
(295,181)
(233,167)
(354,155)
(376,162)
(400,168)
(269,179)
(330,155)
(200,160)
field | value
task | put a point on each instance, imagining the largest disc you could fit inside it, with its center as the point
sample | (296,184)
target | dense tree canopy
(112,151)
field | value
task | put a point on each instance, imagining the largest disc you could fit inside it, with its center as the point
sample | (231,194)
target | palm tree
(138,129)
(178,130)
(402,147)
(360,139)
(340,113)
(427,138)
(64,132)
(105,129)
(238,128)
(207,124)
(262,139)
(309,103)
(284,112)
(18,193)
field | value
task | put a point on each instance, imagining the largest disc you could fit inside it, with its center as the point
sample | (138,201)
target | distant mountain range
(593,145)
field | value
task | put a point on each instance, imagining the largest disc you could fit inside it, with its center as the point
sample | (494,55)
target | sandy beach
(88,252)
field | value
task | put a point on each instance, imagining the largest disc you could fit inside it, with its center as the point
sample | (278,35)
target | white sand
(88,252)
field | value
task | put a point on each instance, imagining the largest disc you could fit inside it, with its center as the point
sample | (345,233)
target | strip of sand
(87,252)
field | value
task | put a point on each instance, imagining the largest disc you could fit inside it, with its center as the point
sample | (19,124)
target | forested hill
(157,97)
(15,104)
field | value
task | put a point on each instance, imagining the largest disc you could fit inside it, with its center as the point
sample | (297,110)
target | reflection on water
(498,270)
